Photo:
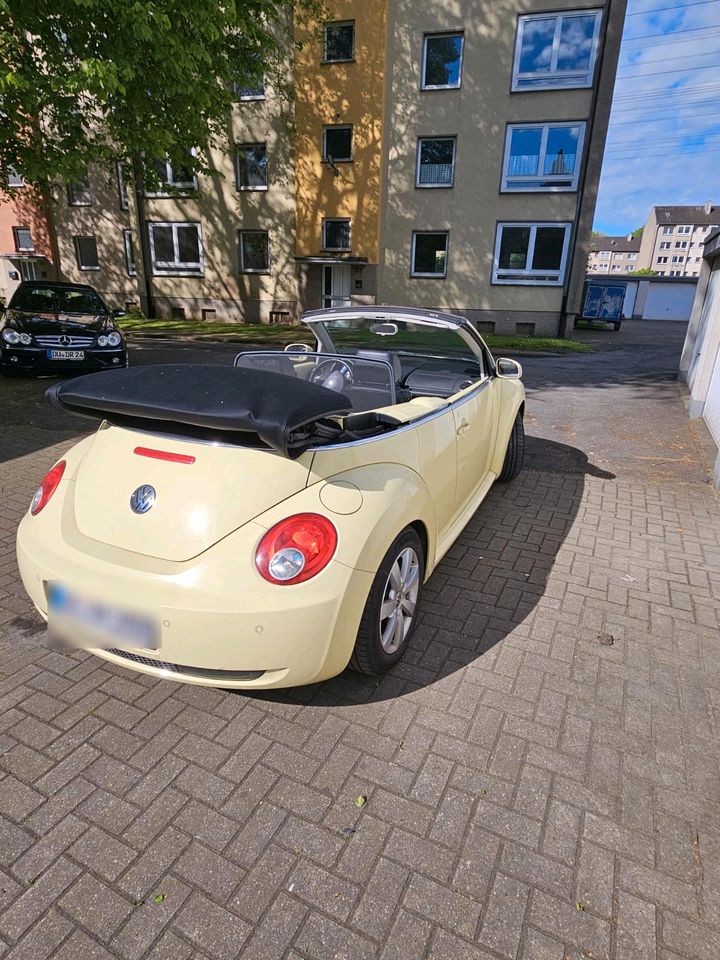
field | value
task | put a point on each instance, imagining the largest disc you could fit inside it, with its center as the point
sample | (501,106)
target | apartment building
(673,238)
(25,238)
(612,255)
(443,156)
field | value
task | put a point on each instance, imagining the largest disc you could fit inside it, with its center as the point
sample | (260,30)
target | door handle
(463,428)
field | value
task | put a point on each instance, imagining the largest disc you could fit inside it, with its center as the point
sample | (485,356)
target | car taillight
(47,488)
(296,549)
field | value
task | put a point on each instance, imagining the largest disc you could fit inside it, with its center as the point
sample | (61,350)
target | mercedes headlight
(114,339)
(10,335)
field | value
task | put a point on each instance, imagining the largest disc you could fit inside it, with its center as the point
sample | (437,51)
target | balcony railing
(436,173)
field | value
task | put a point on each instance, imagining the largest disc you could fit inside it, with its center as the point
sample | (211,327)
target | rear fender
(369,506)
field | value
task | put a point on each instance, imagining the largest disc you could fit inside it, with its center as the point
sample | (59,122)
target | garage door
(669,301)
(710,315)
(712,404)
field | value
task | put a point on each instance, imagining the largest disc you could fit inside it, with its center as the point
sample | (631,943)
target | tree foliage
(90,81)
(638,233)
(646,272)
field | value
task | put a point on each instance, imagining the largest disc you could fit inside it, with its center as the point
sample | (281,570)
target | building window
(180,178)
(337,144)
(603,266)
(667,230)
(339,45)
(556,50)
(252,84)
(336,234)
(129,253)
(15,180)
(442,61)
(122,187)
(685,229)
(254,251)
(681,244)
(630,268)
(678,259)
(543,156)
(534,253)
(665,245)
(79,193)
(23,239)
(604,254)
(429,253)
(176,248)
(435,162)
(662,259)
(616,268)
(251,166)
(86,253)
(632,256)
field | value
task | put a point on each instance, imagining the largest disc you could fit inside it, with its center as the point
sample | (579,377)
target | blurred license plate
(106,624)
(66,354)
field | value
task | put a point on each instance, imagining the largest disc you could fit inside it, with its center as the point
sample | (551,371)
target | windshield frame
(316,321)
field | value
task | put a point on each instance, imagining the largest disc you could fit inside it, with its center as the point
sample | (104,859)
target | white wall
(700,363)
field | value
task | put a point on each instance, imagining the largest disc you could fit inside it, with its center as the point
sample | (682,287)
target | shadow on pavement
(491,580)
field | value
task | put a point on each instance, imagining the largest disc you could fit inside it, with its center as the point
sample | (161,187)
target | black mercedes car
(59,328)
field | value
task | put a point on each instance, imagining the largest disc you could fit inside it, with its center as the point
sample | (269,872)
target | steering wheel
(333,374)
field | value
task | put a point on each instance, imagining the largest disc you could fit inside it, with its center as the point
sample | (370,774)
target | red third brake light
(164,455)
(47,488)
(295,549)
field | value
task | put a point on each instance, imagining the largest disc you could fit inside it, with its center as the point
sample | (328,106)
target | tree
(638,233)
(646,272)
(86,82)
(598,233)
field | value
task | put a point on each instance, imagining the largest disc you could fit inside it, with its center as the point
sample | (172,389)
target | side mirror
(118,314)
(510,369)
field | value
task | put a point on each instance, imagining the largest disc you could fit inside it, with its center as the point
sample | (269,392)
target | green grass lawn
(281,334)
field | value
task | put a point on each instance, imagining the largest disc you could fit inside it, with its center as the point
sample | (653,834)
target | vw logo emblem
(65,341)
(142,499)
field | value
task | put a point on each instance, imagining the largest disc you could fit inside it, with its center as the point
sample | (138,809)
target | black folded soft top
(202,399)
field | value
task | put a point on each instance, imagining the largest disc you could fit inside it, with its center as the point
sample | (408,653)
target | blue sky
(663,144)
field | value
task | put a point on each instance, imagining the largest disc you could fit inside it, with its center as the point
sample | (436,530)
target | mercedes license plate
(66,354)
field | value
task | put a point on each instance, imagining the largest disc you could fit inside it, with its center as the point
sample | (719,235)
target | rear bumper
(35,360)
(216,615)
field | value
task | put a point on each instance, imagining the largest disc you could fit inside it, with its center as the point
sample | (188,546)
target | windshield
(367,384)
(57,300)
(398,336)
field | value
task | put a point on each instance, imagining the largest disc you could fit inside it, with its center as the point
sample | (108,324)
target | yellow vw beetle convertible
(269,523)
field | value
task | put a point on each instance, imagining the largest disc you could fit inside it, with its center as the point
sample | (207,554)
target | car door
(475,420)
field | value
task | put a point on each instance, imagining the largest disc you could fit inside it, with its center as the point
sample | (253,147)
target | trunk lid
(196,504)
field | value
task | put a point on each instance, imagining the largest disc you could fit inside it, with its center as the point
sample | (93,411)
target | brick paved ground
(535,791)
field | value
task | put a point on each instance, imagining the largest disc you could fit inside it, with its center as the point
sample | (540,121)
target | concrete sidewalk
(542,772)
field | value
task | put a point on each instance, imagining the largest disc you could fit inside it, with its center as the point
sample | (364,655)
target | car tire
(616,326)
(515,455)
(382,641)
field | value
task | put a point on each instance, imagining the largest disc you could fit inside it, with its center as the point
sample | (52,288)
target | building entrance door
(336,285)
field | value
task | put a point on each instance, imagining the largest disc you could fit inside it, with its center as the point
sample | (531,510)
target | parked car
(59,328)
(268,523)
